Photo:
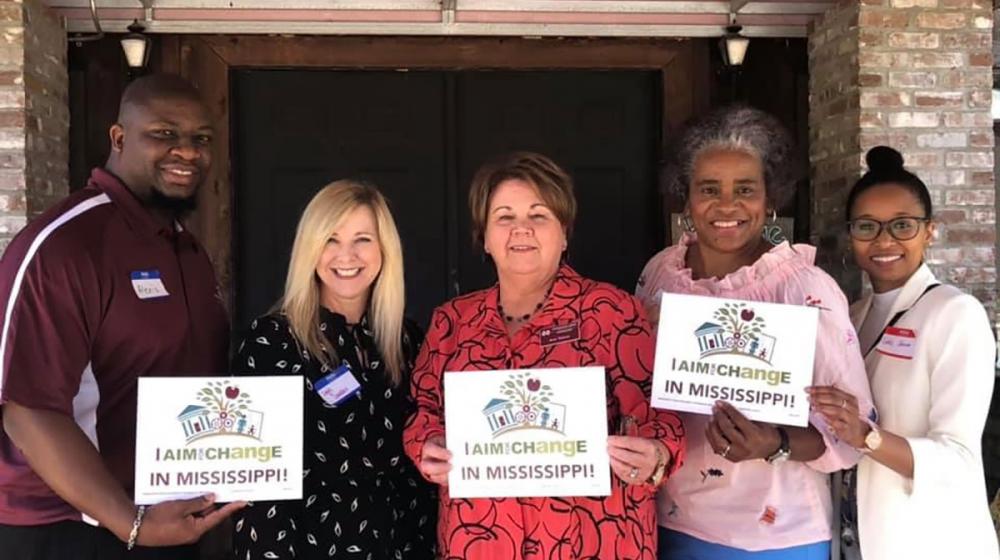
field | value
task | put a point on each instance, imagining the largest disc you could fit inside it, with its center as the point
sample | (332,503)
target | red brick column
(915,75)
(34,113)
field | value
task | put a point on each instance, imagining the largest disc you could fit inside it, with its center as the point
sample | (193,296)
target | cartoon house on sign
(498,414)
(194,419)
(709,337)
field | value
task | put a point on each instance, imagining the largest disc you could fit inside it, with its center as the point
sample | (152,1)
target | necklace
(526,316)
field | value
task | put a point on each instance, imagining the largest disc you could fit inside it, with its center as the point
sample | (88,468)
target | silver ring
(726,450)
(634,472)
(843,404)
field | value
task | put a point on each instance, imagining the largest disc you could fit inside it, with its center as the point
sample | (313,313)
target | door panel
(384,127)
(600,127)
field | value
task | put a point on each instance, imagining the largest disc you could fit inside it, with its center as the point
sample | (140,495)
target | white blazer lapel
(911,292)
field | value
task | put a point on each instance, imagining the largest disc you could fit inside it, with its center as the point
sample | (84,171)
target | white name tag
(148,285)
(898,343)
(338,387)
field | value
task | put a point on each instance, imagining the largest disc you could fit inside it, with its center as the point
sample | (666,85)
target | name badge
(148,285)
(338,386)
(898,343)
(559,334)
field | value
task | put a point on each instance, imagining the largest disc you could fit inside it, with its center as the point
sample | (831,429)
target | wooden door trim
(208,60)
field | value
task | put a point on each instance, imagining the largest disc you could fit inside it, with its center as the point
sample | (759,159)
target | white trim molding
(609,18)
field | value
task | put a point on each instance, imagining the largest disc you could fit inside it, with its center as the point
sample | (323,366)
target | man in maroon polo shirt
(101,289)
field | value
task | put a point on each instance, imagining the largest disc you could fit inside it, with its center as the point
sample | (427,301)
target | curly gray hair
(743,128)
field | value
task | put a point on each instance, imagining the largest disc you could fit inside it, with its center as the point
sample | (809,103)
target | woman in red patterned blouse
(522,212)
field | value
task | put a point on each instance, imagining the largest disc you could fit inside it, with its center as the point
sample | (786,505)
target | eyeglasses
(903,228)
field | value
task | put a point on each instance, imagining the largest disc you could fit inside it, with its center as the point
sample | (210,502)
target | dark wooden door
(420,135)
(296,131)
(600,127)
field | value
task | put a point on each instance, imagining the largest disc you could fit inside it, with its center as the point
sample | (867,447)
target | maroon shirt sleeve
(51,303)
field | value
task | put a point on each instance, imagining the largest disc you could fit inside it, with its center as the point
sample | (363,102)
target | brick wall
(991,435)
(834,125)
(915,75)
(34,113)
(46,84)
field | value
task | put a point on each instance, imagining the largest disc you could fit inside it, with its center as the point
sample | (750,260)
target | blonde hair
(301,300)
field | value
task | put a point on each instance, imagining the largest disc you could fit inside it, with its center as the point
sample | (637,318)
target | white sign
(237,437)
(522,433)
(756,356)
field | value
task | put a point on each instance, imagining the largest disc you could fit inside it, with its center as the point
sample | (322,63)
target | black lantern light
(136,45)
(732,44)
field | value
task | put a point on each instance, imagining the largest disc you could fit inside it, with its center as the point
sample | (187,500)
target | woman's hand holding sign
(435,461)
(635,459)
(843,415)
(735,438)
(840,409)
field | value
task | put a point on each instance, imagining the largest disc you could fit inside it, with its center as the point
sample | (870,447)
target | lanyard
(895,318)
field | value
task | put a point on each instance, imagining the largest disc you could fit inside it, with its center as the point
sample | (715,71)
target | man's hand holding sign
(240,439)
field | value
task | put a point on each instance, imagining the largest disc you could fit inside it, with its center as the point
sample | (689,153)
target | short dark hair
(156,86)
(742,128)
(554,185)
(885,165)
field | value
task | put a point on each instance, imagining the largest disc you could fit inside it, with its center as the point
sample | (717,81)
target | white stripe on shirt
(32,249)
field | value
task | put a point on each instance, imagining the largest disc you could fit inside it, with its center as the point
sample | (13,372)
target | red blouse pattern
(468,334)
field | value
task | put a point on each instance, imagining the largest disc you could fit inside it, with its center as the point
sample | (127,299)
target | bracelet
(136,523)
(661,465)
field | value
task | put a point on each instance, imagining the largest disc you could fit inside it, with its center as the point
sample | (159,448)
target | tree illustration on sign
(740,320)
(227,400)
(527,395)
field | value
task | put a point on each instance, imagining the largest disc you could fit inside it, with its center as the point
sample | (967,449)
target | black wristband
(783,445)
(784,450)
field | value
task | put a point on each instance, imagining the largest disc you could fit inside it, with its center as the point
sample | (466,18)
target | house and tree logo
(525,402)
(223,409)
(736,329)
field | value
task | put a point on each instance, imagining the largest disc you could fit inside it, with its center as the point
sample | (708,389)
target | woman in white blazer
(929,353)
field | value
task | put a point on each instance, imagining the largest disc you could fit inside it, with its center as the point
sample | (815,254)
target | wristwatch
(783,452)
(873,440)
(659,469)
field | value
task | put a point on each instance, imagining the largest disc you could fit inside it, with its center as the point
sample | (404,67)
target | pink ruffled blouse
(753,505)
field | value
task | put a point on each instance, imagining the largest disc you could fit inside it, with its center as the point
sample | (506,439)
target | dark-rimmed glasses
(903,228)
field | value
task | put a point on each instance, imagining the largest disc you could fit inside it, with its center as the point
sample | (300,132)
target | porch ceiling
(626,18)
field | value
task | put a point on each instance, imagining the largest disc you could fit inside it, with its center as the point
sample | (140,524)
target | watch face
(779,457)
(873,440)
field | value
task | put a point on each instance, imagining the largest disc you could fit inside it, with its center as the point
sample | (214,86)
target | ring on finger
(633,473)
(843,404)
(725,451)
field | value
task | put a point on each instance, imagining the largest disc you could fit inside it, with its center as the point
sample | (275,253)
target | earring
(684,222)
(771,232)
(845,254)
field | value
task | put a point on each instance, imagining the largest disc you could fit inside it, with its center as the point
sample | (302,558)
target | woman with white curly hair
(749,490)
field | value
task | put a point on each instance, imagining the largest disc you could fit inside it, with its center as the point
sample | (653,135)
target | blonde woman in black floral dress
(340,325)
